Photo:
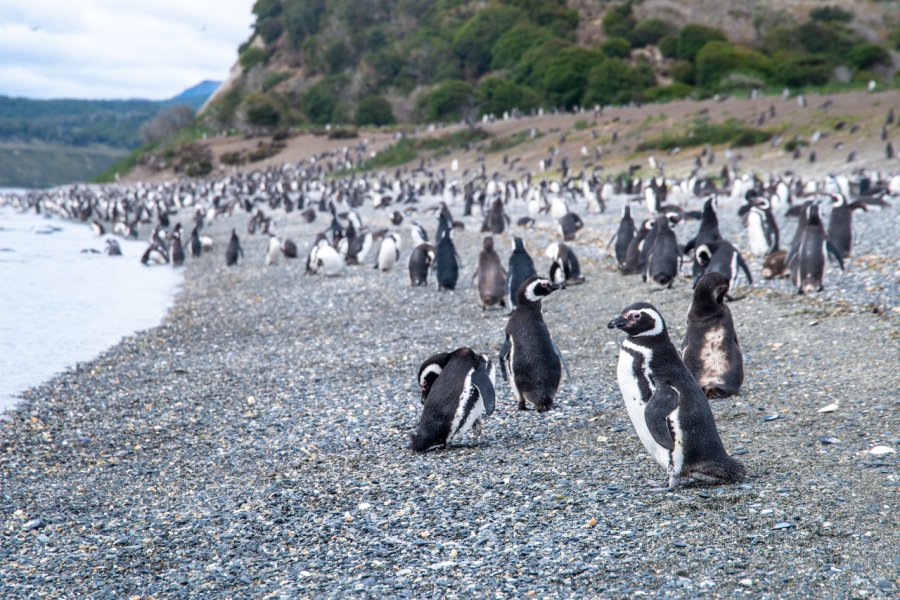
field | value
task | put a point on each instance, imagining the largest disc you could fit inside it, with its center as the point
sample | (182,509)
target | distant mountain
(39,139)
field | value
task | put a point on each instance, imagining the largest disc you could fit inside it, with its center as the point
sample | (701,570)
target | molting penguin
(420,262)
(807,257)
(663,259)
(447,261)
(529,359)
(669,411)
(521,267)
(710,349)
(457,391)
(496,219)
(491,276)
(722,257)
(565,267)
(234,250)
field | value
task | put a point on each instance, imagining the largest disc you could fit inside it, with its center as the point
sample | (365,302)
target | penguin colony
(666,391)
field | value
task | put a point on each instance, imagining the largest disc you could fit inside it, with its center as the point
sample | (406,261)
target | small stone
(746,582)
(348,518)
(829,408)
(768,418)
(881,451)
(783,525)
(592,522)
(364,506)
(33,524)
(827,440)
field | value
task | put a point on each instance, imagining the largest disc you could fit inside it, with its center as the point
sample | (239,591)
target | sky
(117,49)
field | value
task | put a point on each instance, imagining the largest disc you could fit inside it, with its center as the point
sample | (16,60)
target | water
(59,306)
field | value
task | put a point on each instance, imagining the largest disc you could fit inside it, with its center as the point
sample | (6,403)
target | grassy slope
(38,164)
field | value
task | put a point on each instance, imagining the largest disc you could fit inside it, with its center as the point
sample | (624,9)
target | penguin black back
(521,267)
(445,256)
(234,250)
(491,276)
(624,235)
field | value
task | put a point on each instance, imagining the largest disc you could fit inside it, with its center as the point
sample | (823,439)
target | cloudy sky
(117,48)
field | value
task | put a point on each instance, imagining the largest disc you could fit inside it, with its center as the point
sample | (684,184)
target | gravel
(254,444)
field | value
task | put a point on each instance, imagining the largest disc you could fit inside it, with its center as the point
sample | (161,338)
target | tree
(693,37)
(320,101)
(513,44)
(169,121)
(301,19)
(448,100)
(566,75)
(614,82)
(619,21)
(374,110)
(650,31)
(616,47)
(497,95)
(716,60)
(475,39)
(864,56)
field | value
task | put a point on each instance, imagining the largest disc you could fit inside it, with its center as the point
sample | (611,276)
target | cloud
(118,48)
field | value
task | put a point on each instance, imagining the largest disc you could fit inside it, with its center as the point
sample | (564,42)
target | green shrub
(273,79)
(251,57)
(674,91)
(399,153)
(668,46)
(864,56)
(513,44)
(682,71)
(496,95)
(261,112)
(614,82)
(448,100)
(566,76)
(693,37)
(301,20)
(337,57)
(716,60)
(651,31)
(703,132)
(894,36)
(794,144)
(374,110)
(322,102)
(616,47)
(831,13)
(270,30)
(619,21)
(266,9)
(800,70)
(475,39)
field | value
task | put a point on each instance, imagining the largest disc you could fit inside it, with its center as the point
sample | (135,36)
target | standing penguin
(389,253)
(491,276)
(529,359)
(569,225)
(565,267)
(521,267)
(457,391)
(762,229)
(273,250)
(496,219)
(722,257)
(708,232)
(445,254)
(420,262)
(623,237)
(234,250)
(710,349)
(669,411)
(663,259)
(633,264)
(196,244)
(840,223)
(177,250)
(807,257)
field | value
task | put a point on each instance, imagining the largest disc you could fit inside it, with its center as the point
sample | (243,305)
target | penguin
(624,234)
(389,253)
(669,411)
(273,250)
(807,257)
(446,259)
(113,248)
(565,267)
(418,233)
(289,248)
(420,262)
(840,223)
(708,232)
(722,257)
(496,219)
(529,359)
(196,244)
(325,259)
(491,276)
(633,264)
(710,349)
(521,267)
(663,259)
(762,229)
(569,225)
(98,228)
(234,250)
(177,250)
(457,393)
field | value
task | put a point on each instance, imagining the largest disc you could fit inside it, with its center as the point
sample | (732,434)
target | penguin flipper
(504,353)
(745,268)
(482,383)
(562,361)
(656,414)
(832,250)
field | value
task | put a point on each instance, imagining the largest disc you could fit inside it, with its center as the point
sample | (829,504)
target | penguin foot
(476,428)
(522,405)
(658,486)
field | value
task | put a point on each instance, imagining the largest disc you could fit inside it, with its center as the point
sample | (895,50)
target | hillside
(381,61)
(50,142)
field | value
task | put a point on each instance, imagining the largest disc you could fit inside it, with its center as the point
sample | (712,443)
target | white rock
(829,408)
(881,451)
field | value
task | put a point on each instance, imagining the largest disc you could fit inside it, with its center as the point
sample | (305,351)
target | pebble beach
(255,443)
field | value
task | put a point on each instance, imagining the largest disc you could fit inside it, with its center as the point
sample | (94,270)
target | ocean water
(59,306)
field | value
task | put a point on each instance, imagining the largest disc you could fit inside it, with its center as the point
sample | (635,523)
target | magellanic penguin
(708,232)
(234,250)
(669,411)
(762,229)
(710,349)
(458,392)
(840,223)
(273,250)
(113,248)
(664,258)
(496,219)
(389,253)
(807,257)
(196,244)
(420,262)
(491,276)
(633,264)
(521,267)
(569,225)
(177,250)
(623,237)
(447,261)
(722,257)
(529,359)
(565,267)
(289,248)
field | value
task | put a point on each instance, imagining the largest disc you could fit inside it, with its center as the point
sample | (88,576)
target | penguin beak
(617,323)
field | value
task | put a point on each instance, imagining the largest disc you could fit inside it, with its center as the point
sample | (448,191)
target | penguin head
(704,255)
(711,288)
(430,370)
(518,244)
(639,319)
(488,244)
(534,289)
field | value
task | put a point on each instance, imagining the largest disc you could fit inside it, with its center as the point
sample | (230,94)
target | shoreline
(223,453)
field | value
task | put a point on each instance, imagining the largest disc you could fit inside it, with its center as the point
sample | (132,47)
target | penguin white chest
(635,403)
(714,357)
(759,245)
